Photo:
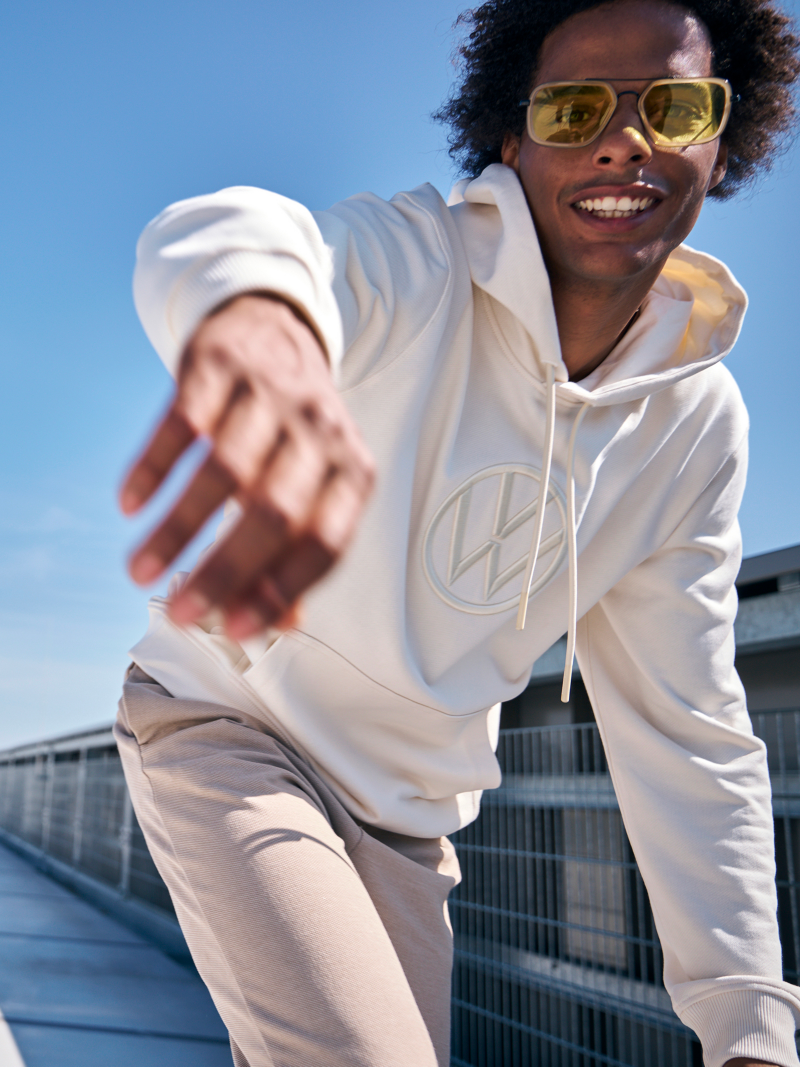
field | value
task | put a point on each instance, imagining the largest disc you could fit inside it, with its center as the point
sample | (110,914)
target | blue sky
(112,111)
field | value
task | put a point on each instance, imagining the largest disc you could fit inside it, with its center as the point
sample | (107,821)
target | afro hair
(753,43)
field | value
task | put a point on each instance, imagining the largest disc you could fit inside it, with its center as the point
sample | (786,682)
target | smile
(616,207)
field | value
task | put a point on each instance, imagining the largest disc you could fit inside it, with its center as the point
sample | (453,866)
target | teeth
(615,207)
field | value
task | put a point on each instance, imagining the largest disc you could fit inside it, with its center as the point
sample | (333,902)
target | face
(628,39)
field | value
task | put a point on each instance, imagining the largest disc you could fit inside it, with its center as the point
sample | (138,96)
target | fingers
(206,492)
(273,598)
(280,504)
(268,605)
(167,445)
(245,437)
(203,395)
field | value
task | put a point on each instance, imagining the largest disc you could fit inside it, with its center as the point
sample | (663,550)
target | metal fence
(557,960)
(68,798)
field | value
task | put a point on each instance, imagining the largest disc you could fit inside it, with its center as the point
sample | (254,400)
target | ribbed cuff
(241,271)
(743,1022)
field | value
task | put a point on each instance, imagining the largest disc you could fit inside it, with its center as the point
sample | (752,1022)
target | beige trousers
(324,943)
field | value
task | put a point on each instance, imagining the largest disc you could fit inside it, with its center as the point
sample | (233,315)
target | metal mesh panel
(33,796)
(557,961)
(781,732)
(104,799)
(65,807)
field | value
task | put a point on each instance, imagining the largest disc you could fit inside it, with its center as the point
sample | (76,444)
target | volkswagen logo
(476,546)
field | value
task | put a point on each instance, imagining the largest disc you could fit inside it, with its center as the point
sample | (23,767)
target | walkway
(79,990)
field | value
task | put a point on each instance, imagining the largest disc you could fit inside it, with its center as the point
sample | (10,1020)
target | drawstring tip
(569,664)
(565,687)
(522,615)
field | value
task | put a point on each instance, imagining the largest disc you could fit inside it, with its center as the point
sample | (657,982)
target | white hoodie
(439,323)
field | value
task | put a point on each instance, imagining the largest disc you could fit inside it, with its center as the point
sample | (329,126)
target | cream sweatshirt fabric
(439,323)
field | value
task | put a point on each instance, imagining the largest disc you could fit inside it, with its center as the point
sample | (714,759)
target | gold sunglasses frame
(655,137)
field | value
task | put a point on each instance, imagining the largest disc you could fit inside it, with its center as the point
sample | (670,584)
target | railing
(68,798)
(557,960)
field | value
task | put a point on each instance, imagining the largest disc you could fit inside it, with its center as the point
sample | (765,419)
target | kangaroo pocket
(393,762)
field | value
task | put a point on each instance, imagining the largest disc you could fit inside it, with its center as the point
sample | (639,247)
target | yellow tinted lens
(568,114)
(685,113)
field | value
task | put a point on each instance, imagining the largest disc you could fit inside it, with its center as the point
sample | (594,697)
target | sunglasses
(675,111)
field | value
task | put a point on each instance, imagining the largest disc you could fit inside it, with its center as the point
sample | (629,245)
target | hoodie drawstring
(544,485)
(572,554)
(571,532)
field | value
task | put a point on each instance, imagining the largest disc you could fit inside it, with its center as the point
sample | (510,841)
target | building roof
(769,565)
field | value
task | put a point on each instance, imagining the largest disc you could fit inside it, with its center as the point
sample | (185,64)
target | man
(535,373)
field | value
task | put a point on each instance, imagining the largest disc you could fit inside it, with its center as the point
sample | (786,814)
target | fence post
(80,791)
(28,799)
(47,806)
(125,834)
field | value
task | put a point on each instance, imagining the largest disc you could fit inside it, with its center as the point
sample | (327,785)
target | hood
(690,318)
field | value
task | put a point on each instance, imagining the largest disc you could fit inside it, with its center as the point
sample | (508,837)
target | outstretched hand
(255,381)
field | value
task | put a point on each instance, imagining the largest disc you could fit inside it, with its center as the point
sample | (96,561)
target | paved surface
(79,990)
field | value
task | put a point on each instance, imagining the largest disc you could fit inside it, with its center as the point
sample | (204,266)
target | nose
(623,142)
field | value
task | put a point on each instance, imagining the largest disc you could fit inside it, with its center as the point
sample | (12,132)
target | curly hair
(753,44)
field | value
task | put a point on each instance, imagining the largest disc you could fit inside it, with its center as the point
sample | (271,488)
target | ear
(509,153)
(720,167)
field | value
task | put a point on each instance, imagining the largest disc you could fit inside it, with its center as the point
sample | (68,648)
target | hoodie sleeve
(656,653)
(368,274)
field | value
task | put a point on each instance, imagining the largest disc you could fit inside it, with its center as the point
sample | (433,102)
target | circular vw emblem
(476,547)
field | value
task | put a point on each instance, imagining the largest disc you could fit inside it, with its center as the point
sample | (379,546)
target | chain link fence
(557,960)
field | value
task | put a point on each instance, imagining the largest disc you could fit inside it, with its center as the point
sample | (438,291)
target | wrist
(263,296)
